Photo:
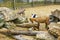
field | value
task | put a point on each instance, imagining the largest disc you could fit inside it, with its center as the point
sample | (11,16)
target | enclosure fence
(26,3)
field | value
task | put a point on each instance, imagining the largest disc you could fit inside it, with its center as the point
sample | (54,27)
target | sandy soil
(41,10)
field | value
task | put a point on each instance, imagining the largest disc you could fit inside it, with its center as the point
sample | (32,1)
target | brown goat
(40,20)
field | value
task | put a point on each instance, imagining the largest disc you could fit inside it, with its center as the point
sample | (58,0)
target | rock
(21,20)
(56,13)
(44,35)
(1,24)
(1,19)
(9,25)
(23,37)
(58,23)
(19,37)
(31,29)
(54,29)
(8,13)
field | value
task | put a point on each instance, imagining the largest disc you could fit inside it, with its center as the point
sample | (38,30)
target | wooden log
(32,33)
(28,25)
(13,32)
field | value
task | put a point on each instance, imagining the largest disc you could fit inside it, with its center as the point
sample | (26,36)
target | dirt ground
(41,10)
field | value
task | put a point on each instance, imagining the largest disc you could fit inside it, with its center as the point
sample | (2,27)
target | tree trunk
(54,1)
(28,25)
(45,1)
(32,3)
(27,1)
(13,4)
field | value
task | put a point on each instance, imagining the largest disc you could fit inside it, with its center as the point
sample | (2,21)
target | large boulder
(54,29)
(8,13)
